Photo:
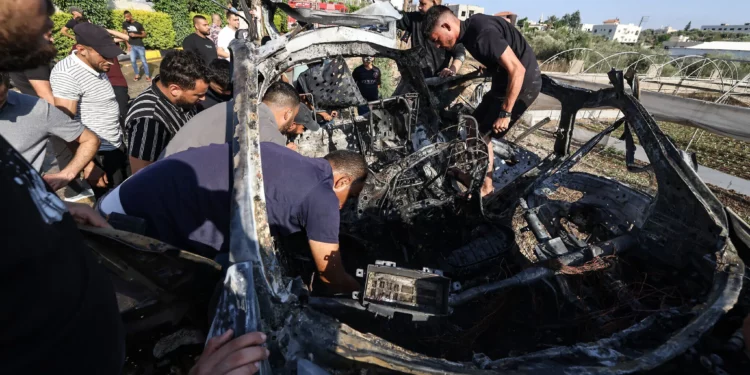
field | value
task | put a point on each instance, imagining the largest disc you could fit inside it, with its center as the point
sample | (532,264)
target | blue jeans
(135,53)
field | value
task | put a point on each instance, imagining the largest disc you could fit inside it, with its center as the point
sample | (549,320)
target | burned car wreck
(618,281)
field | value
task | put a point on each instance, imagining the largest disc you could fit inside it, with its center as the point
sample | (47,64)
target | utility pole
(644,19)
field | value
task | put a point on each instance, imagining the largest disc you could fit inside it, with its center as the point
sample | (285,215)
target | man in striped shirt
(160,111)
(83,91)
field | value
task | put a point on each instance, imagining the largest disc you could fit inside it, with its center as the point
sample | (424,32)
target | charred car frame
(459,295)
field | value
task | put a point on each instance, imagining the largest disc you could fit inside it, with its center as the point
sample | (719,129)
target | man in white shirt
(226,35)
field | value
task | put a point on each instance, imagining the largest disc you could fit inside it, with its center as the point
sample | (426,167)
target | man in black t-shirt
(198,41)
(500,47)
(77,14)
(137,50)
(367,77)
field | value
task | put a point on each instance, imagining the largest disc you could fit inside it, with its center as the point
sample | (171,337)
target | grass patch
(714,151)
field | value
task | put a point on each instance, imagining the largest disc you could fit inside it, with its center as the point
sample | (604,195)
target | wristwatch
(504,114)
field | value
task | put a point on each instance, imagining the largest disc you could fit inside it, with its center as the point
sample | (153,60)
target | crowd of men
(165,159)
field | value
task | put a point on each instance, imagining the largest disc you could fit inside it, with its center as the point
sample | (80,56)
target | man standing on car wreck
(500,47)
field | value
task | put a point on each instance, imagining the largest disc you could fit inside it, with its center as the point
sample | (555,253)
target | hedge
(62,43)
(178,10)
(158,26)
(97,11)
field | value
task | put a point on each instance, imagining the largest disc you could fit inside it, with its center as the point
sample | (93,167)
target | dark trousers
(123,99)
(115,166)
(489,109)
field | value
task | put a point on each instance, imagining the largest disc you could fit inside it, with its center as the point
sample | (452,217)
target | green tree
(574,21)
(522,22)
(688,26)
(95,10)
(204,7)
(178,10)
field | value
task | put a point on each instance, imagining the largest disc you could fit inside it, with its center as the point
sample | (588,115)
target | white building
(587,27)
(627,34)
(465,11)
(679,41)
(724,28)
(665,30)
(737,50)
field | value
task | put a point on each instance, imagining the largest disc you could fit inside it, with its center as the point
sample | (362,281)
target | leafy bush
(387,72)
(159,31)
(62,43)
(204,7)
(96,11)
(281,21)
(178,10)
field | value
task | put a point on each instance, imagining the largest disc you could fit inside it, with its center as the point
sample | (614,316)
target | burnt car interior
(613,280)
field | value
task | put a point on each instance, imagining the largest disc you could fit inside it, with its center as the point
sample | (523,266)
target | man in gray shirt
(26,122)
(277,119)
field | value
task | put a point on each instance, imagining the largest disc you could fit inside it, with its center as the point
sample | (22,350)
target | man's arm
(68,106)
(127,44)
(88,145)
(141,34)
(43,90)
(147,139)
(516,73)
(138,164)
(66,92)
(459,55)
(64,31)
(119,37)
(405,22)
(222,45)
(328,262)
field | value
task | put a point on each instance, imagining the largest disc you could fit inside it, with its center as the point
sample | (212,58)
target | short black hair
(183,68)
(432,17)
(230,13)
(126,12)
(5,79)
(281,94)
(198,17)
(219,73)
(349,163)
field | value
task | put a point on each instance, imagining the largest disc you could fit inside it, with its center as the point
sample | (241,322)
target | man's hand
(95,177)
(325,116)
(59,180)
(240,356)
(447,72)
(501,125)
(292,146)
(83,214)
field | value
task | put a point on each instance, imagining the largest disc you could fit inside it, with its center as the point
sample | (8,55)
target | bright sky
(675,13)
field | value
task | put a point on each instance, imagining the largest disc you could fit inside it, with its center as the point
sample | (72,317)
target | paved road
(137,87)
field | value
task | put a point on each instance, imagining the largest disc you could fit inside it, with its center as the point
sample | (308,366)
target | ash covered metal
(619,281)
